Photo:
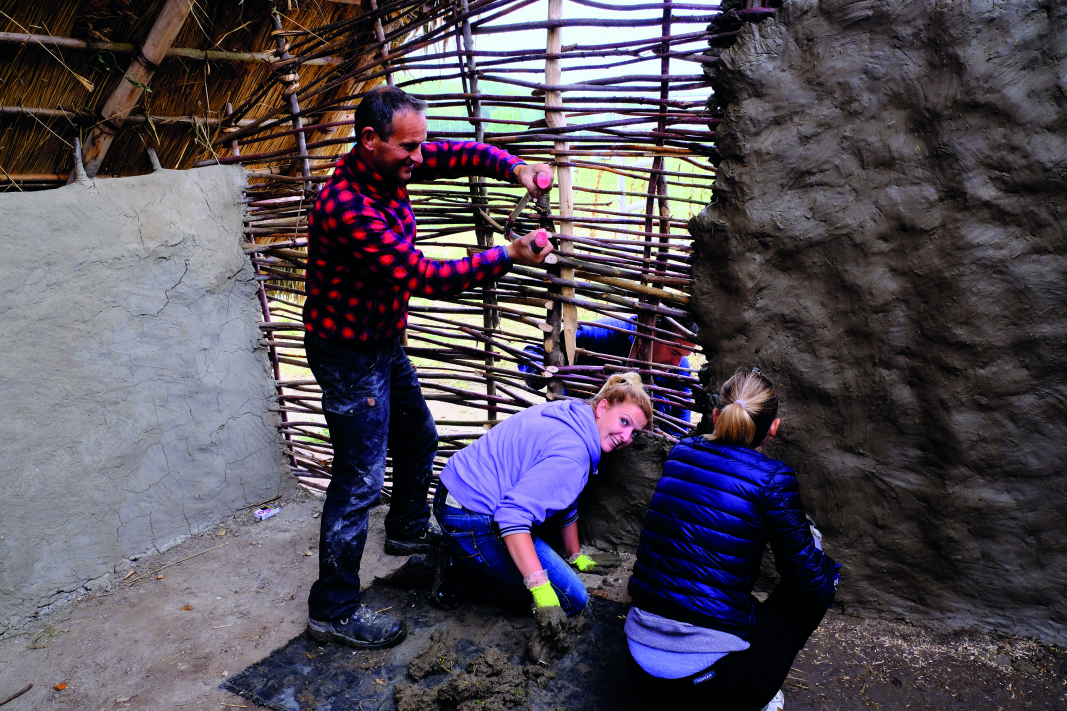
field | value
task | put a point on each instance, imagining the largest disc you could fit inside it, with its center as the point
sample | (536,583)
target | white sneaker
(816,534)
(777,703)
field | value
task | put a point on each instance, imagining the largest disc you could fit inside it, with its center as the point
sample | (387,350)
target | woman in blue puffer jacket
(696,635)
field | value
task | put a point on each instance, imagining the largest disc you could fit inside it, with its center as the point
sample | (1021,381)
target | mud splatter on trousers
(373,405)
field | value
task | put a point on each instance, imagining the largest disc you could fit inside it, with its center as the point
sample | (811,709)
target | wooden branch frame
(631,155)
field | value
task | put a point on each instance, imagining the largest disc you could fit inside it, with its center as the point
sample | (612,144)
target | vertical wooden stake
(642,347)
(479,193)
(564,177)
(78,173)
(379,32)
(235,147)
(291,85)
(554,354)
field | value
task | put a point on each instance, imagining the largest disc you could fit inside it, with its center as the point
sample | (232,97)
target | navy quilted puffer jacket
(714,510)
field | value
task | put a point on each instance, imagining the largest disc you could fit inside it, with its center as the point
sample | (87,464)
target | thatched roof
(36,75)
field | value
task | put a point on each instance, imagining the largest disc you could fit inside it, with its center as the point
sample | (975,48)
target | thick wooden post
(564,177)
(128,92)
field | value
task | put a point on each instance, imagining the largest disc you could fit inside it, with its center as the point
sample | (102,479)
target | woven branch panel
(613,96)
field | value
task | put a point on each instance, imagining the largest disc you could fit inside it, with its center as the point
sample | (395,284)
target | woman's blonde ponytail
(748,405)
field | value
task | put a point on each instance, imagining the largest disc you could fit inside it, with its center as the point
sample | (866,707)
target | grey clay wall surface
(887,241)
(136,407)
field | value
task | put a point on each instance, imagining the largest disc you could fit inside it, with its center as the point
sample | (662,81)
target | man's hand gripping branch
(537,179)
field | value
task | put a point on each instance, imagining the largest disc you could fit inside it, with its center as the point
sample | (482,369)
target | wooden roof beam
(206,55)
(130,118)
(128,92)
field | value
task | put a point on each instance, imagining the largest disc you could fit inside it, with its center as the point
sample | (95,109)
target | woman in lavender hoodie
(528,469)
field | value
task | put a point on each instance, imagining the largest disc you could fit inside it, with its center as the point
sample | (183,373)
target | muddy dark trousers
(743,681)
(372,402)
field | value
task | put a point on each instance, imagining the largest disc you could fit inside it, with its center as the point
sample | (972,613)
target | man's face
(394,158)
(671,354)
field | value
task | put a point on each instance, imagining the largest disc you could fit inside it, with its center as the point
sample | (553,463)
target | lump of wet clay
(433,659)
(412,697)
(490,683)
(554,633)
(491,679)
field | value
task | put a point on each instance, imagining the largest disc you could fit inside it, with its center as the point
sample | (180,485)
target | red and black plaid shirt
(362,262)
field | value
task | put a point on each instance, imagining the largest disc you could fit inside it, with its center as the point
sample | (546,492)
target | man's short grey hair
(380,105)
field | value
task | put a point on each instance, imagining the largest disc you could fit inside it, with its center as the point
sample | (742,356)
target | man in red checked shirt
(363,267)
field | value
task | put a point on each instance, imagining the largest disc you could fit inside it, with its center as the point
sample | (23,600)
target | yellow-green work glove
(585,564)
(544,596)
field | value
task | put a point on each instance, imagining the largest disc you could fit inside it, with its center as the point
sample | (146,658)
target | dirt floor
(166,639)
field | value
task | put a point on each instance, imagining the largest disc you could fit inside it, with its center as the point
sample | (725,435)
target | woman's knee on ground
(576,601)
(571,592)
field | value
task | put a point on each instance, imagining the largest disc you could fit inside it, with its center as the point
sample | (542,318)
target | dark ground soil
(852,663)
(139,646)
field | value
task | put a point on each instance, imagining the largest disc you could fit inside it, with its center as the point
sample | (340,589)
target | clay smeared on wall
(887,241)
(613,505)
(137,409)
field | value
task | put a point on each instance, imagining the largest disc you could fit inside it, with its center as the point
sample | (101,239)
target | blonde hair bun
(625,387)
(628,377)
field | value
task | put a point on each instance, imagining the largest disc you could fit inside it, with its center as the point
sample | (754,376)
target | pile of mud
(475,658)
(888,242)
(489,683)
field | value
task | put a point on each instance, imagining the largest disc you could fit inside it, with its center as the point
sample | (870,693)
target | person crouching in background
(615,337)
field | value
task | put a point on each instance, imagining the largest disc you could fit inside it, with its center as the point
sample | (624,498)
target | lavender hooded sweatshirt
(529,467)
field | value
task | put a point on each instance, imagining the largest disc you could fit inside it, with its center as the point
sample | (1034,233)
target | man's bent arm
(456,159)
(396,259)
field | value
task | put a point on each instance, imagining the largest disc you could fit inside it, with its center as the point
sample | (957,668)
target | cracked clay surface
(138,411)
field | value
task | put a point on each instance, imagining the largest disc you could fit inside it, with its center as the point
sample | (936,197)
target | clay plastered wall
(135,405)
(612,508)
(888,241)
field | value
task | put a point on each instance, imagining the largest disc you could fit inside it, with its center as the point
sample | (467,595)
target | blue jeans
(473,538)
(372,403)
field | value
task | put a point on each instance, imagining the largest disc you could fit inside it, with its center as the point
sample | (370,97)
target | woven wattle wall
(617,106)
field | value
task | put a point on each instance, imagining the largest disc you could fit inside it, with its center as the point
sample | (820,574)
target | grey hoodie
(529,467)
